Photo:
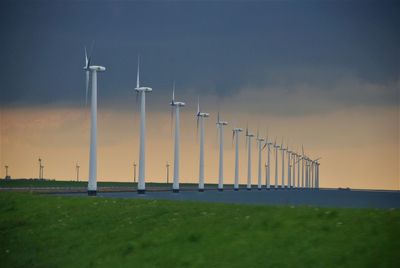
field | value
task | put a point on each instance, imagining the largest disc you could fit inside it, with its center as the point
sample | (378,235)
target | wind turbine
(302,167)
(298,170)
(40,168)
(235,135)
(6,167)
(77,171)
(93,69)
(260,142)
(315,178)
(311,174)
(289,153)
(200,119)
(276,147)
(317,172)
(283,149)
(268,170)
(141,188)
(176,105)
(248,140)
(220,127)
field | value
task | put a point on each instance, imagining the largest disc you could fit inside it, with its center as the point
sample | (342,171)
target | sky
(324,74)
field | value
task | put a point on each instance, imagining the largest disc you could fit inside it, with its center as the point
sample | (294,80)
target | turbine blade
(198,105)
(218,118)
(86,58)
(173,93)
(87,85)
(233,136)
(138,71)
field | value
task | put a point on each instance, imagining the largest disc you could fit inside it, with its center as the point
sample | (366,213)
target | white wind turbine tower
(268,170)
(176,105)
(307,172)
(283,149)
(314,172)
(260,142)
(298,170)
(248,140)
(312,181)
(92,69)
(289,153)
(200,119)
(317,172)
(276,164)
(142,151)
(296,162)
(220,127)
(294,155)
(235,135)
(302,167)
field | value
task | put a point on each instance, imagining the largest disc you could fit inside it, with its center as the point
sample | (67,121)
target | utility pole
(77,172)
(167,172)
(134,171)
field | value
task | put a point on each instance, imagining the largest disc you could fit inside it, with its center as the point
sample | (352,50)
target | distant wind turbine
(235,135)
(200,119)
(317,173)
(141,188)
(302,168)
(220,127)
(176,105)
(289,153)
(283,149)
(248,139)
(77,171)
(268,169)
(260,142)
(93,69)
(276,147)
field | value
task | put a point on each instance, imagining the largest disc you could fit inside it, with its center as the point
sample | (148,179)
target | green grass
(51,231)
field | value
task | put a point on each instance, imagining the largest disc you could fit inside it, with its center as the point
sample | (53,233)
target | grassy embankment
(51,231)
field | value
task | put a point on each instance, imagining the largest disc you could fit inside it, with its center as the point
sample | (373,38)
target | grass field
(52,231)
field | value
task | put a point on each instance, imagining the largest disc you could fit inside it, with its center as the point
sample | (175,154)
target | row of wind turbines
(307,169)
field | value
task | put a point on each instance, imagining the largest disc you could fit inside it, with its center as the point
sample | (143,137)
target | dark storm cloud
(216,48)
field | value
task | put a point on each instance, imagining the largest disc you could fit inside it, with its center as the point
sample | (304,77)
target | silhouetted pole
(167,172)
(134,171)
(6,171)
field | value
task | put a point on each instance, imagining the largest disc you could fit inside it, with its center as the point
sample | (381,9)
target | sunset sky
(324,74)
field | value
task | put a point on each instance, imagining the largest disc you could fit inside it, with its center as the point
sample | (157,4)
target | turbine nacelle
(144,89)
(177,103)
(223,123)
(237,130)
(96,68)
(203,114)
